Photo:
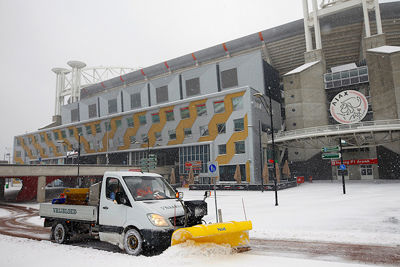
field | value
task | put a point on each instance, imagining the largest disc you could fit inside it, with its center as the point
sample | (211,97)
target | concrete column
(378,18)
(317,30)
(41,189)
(366,18)
(2,183)
(307,31)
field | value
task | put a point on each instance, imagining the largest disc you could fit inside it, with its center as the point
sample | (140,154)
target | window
(135,101)
(57,149)
(222,149)
(129,122)
(49,137)
(201,110)
(42,137)
(221,128)
(18,154)
(193,87)
(56,136)
(112,106)
(219,106)
(50,150)
(237,103)
(98,128)
(92,111)
(18,142)
(107,125)
(185,113)
(172,134)
(144,138)
(63,134)
(132,139)
(238,125)
(118,123)
(88,129)
(204,130)
(170,115)
(35,139)
(155,117)
(142,120)
(162,94)
(239,147)
(79,131)
(74,115)
(187,132)
(71,132)
(158,136)
(229,78)
(30,140)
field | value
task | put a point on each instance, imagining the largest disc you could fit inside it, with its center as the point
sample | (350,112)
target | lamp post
(79,151)
(269,110)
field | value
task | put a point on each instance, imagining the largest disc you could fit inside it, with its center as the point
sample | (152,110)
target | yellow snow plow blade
(235,234)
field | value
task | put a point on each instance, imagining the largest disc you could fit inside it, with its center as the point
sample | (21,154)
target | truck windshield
(149,188)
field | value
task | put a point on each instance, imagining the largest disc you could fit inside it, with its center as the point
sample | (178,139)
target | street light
(269,110)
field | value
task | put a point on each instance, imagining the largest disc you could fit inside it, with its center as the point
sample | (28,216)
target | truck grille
(178,221)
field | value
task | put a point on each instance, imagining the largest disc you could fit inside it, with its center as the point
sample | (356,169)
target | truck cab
(137,210)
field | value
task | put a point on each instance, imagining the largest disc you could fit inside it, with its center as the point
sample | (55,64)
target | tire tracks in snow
(17,224)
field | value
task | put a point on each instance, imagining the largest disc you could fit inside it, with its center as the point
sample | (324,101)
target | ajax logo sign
(349,107)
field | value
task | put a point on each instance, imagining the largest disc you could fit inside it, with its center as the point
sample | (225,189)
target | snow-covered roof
(387,49)
(302,67)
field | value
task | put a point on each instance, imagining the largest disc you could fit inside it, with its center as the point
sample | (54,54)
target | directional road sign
(342,167)
(332,156)
(213,169)
(331,149)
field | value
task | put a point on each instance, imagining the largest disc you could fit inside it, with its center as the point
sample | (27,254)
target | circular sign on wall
(349,107)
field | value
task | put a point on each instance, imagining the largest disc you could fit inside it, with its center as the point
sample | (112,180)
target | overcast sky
(38,35)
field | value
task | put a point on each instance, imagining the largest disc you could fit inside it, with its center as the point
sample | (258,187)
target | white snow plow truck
(138,212)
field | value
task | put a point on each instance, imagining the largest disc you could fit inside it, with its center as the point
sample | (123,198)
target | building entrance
(366,172)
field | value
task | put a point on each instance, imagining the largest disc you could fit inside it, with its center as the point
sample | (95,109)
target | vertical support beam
(378,18)
(317,29)
(366,18)
(307,31)
(41,189)
(2,183)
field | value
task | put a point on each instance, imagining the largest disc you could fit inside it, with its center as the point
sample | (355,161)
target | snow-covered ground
(368,214)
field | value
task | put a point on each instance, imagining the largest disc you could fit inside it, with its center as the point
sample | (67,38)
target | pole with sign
(341,163)
(213,169)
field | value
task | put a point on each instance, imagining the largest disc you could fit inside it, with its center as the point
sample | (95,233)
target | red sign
(354,162)
(196,165)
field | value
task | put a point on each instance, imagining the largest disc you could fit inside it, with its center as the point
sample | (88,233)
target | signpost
(213,169)
(335,153)
(149,163)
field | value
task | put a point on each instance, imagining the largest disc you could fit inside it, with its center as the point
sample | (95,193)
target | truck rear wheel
(133,242)
(60,233)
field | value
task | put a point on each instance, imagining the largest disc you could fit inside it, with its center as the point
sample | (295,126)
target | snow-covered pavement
(368,214)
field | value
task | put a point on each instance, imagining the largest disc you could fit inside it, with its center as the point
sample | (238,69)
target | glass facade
(185,113)
(170,115)
(199,154)
(346,78)
(219,106)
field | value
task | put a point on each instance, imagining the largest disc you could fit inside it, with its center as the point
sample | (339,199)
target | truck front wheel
(133,242)
(60,233)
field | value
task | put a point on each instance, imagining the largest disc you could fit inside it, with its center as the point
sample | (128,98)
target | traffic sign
(212,168)
(332,156)
(342,167)
(331,149)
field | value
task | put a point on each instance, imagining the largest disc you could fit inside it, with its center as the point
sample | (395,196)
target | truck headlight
(157,220)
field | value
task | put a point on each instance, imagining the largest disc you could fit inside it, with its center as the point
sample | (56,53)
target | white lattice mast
(77,67)
(327,7)
(60,84)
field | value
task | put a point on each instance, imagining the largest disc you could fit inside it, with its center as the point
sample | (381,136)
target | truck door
(112,214)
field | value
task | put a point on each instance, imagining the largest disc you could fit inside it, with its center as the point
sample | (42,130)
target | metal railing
(379,125)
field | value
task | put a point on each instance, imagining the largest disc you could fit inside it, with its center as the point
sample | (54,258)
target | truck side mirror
(121,199)
(207,194)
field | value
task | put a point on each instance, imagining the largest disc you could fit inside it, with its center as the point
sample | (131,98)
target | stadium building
(212,106)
